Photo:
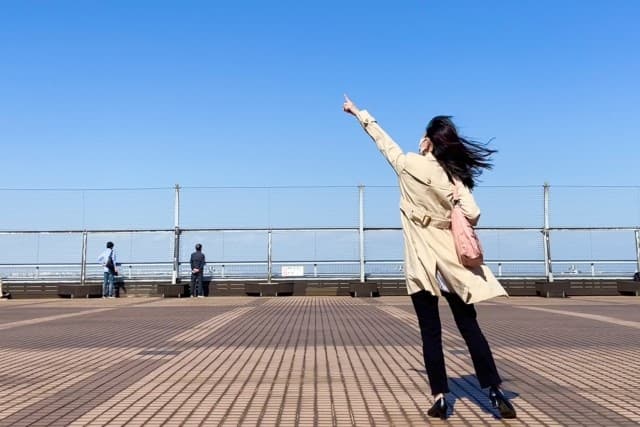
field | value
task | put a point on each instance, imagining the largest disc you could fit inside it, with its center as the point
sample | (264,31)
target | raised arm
(387,146)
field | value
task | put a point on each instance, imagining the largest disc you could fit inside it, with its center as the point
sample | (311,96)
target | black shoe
(439,409)
(498,400)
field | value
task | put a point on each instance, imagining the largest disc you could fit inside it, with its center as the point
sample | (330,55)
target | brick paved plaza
(309,361)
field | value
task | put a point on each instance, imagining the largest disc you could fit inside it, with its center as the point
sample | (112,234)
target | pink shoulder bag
(464,236)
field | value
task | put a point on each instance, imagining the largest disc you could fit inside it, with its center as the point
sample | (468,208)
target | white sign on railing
(292,270)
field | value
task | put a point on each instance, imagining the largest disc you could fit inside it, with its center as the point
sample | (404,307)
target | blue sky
(136,93)
(249,93)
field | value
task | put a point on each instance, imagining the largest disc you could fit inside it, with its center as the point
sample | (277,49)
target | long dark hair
(460,157)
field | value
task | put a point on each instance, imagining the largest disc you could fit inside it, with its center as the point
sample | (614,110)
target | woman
(432,267)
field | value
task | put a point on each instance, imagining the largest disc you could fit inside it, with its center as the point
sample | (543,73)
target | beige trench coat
(426,201)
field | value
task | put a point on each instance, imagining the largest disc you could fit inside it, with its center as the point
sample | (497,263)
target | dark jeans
(426,306)
(196,284)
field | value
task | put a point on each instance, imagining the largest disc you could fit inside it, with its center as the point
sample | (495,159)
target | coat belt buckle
(419,216)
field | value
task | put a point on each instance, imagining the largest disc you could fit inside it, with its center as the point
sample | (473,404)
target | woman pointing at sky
(441,174)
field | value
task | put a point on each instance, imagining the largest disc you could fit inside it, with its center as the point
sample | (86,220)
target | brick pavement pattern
(309,361)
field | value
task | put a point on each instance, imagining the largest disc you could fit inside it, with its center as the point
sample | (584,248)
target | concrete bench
(629,288)
(172,291)
(552,290)
(80,291)
(365,290)
(269,289)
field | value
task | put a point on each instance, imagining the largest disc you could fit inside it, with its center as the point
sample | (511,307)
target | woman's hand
(349,106)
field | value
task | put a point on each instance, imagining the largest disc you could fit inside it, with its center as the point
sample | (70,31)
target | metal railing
(268,267)
(357,251)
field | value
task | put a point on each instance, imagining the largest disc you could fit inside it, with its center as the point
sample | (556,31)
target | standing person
(197,267)
(432,268)
(108,261)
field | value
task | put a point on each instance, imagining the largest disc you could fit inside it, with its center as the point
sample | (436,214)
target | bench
(269,289)
(80,291)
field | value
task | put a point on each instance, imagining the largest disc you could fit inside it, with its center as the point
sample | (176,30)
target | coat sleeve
(387,146)
(468,205)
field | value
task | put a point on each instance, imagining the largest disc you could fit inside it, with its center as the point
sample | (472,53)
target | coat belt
(421,216)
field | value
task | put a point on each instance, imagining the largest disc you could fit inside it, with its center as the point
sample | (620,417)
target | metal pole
(176,207)
(638,249)
(176,255)
(361,230)
(84,215)
(83,262)
(176,236)
(548,270)
(269,259)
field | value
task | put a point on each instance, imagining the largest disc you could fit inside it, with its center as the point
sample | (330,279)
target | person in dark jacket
(197,268)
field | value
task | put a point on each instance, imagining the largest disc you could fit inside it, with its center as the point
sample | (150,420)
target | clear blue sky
(249,93)
(153,93)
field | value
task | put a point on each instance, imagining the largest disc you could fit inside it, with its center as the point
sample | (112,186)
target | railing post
(176,206)
(176,255)
(176,236)
(548,270)
(269,256)
(83,262)
(638,249)
(361,229)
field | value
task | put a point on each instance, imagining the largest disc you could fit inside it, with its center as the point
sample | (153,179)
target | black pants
(196,284)
(426,306)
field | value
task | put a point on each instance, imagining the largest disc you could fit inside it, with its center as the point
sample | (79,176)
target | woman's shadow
(467,386)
